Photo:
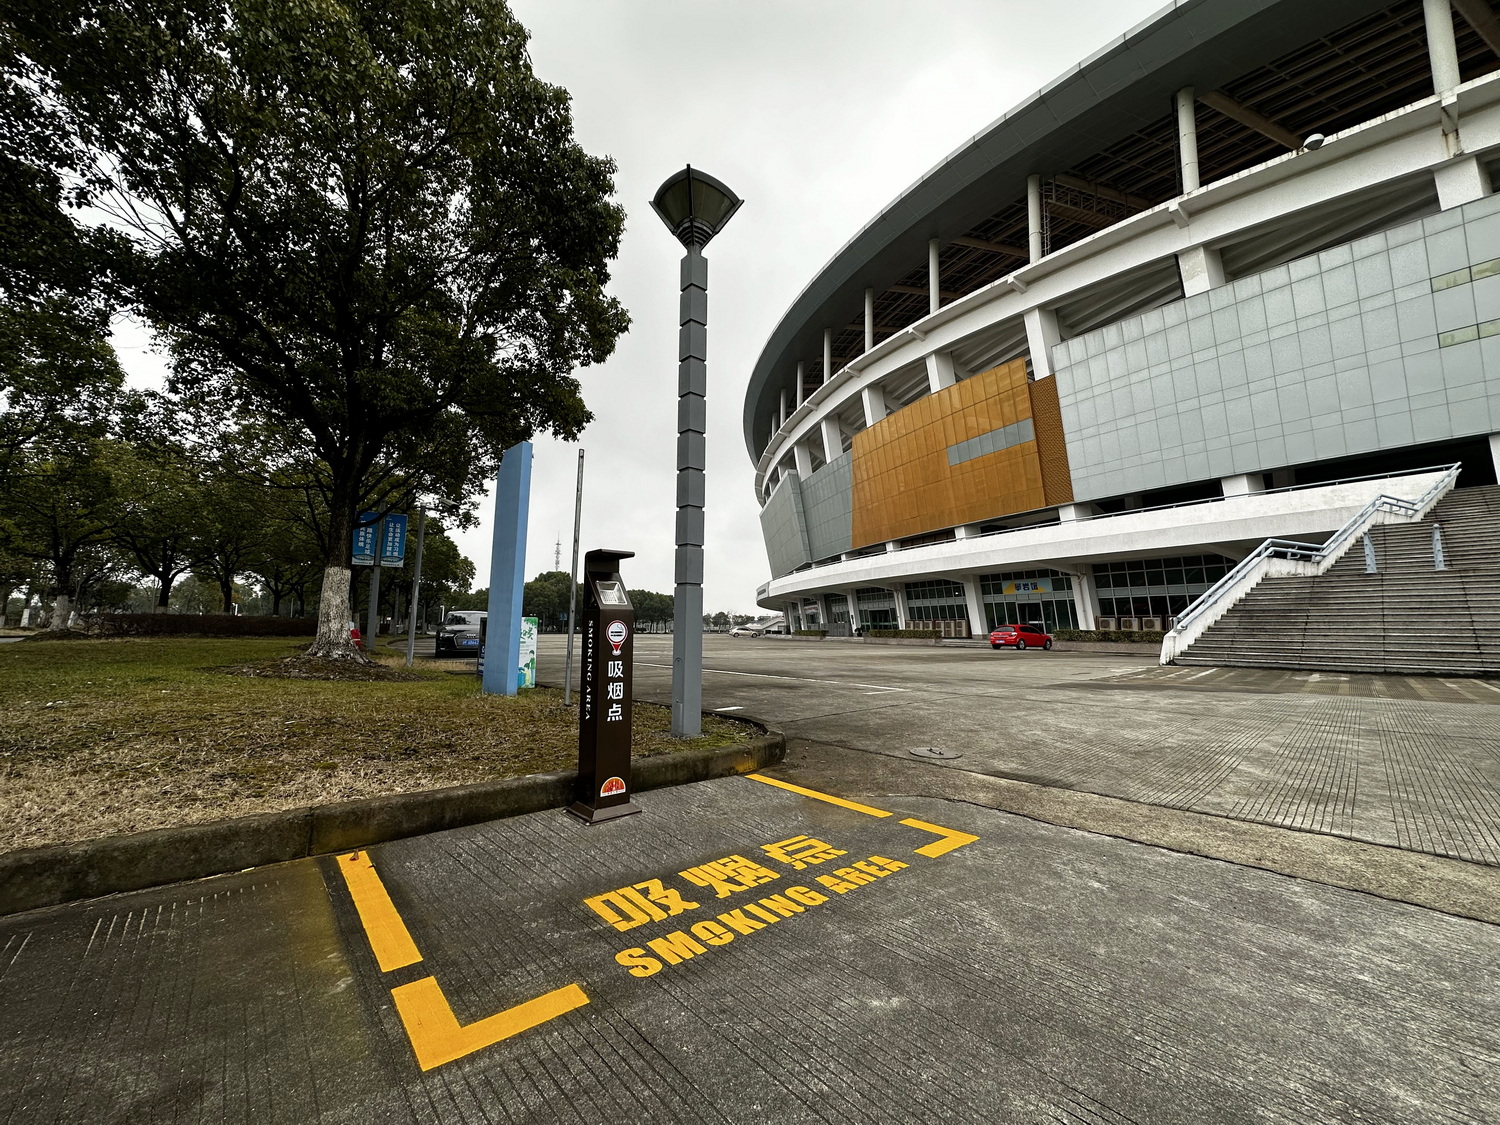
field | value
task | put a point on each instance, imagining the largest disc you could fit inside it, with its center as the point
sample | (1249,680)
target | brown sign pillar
(604,705)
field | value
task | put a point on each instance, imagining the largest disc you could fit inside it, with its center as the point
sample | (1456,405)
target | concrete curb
(35,877)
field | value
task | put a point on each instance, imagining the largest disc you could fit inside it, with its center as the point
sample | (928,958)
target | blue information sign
(363,553)
(392,540)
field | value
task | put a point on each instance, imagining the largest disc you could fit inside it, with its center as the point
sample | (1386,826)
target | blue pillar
(502,654)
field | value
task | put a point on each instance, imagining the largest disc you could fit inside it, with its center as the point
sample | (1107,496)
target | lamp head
(694,206)
(1313,142)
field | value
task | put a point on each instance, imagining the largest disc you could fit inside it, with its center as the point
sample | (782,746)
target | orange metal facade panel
(1046,415)
(903,484)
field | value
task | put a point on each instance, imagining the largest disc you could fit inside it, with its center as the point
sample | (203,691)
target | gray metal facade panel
(828,504)
(783,528)
(992,442)
(1329,356)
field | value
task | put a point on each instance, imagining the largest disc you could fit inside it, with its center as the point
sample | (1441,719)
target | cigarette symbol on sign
(616,634)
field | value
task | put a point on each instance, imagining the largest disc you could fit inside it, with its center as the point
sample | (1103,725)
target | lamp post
(695,207)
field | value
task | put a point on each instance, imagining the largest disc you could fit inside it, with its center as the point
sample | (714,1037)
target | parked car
(1020,637)
(759,628)
(458,635)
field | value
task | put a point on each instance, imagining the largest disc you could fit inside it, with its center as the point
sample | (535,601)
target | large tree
(160,499)
(58,508)
(367,223)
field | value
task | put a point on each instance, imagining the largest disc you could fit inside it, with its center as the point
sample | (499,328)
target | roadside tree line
(363,236)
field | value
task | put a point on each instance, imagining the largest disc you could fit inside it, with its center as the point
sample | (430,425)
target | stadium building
(1227,280)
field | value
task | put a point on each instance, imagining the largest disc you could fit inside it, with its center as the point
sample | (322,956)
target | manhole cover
(931,752)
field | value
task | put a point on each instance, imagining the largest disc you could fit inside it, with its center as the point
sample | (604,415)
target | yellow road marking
(815,795)
(950,839)
(437,1037)
(389,940)
(434,1031)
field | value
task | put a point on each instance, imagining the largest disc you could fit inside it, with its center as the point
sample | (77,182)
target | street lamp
(695,207)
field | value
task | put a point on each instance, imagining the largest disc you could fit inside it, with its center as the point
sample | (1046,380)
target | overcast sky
(817,113)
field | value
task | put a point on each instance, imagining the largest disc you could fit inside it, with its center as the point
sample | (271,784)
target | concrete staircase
(1406,617)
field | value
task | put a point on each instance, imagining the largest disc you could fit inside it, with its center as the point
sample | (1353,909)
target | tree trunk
(333,641)
(164,595)
(62,612)
(226,592)
(276,601)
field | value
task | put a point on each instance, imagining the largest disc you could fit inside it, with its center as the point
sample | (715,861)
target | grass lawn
(105,737)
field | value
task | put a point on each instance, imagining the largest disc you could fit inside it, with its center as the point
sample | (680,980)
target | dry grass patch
(125,735)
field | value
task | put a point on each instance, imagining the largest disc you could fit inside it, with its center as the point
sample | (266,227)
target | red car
(1020,637)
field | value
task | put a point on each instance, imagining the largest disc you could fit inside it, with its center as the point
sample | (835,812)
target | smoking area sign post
(604,706)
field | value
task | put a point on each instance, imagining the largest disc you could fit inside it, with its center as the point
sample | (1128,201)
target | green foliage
(546,598)
(908,634)
(204,625)
(653,612)
(59,511)
(367,226)
(478,599)
(1128,636)
(811,633)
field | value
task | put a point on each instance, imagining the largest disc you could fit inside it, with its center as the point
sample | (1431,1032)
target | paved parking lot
(713,960)
(1018,934)
(1407,762)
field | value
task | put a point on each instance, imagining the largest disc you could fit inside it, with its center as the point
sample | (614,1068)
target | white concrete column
(1187,137)
(833,439)
(1034,215)
(1202,269)
(1462,181)
(1495,453)
(803,458)
(1067,513)
(892,546)
(965,531)
(1243,484)
(785,413)
(869,319)
(934,290)
(899,590)
(827,354)
(1085,599)
(940,372)
(873,400)
(1442,48)
(977,623)
(1041,334)
(801,379)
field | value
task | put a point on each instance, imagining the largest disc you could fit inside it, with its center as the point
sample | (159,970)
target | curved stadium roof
(1107,127)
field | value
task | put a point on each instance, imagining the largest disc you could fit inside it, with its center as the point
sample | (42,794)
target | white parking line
(768,676)
(736,707)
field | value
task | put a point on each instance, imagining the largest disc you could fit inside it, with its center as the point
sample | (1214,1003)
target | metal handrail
(1315,553)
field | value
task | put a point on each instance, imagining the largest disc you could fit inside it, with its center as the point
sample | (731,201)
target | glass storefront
(876,607)
(1156,587)
(1028,596)
(935,600)
(838,607)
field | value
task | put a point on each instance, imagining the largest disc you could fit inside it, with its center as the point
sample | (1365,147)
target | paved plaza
(1409,762)
(1013,935)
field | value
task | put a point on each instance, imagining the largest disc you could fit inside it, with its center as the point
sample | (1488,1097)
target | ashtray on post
(604,704)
